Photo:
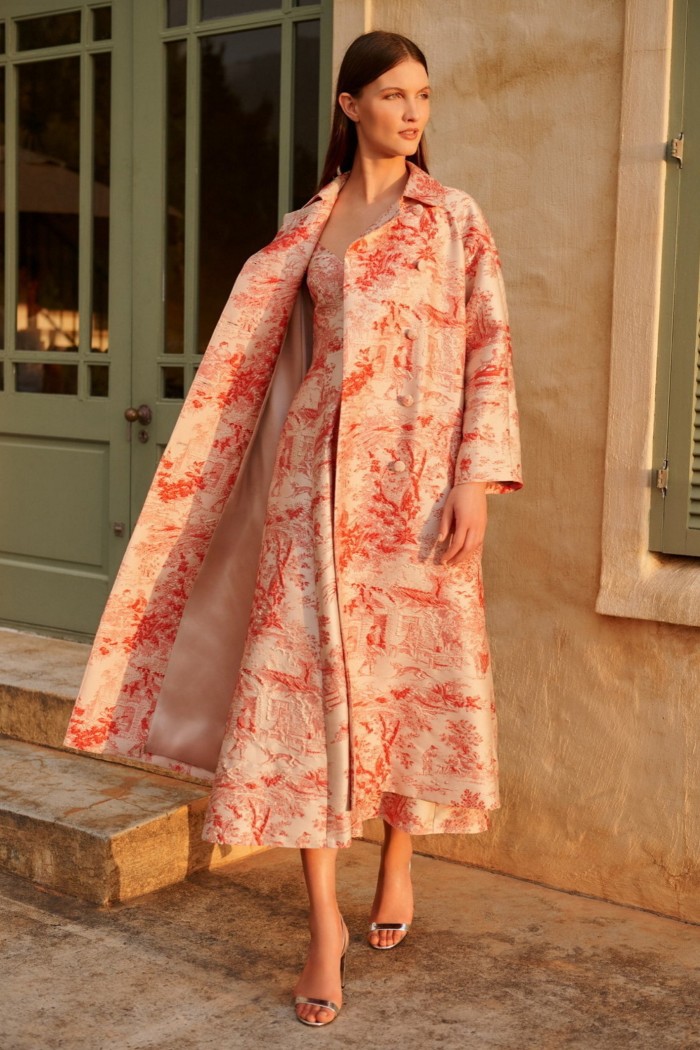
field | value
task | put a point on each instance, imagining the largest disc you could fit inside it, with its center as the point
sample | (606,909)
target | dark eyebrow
(396,88)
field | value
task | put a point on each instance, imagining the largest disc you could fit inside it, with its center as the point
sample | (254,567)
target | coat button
(405,399)
(410,333)
(416,209)
(420,264)
(397,465)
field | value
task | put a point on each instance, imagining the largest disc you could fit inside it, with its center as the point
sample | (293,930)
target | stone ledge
(99,830)
(39,681)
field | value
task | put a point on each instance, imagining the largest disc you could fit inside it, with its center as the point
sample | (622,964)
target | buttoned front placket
(409,216)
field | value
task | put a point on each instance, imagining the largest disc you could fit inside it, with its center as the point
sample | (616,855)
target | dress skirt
(292,686)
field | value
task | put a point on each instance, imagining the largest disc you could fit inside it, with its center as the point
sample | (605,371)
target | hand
(466,504)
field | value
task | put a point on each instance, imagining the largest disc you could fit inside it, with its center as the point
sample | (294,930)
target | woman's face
(391,112)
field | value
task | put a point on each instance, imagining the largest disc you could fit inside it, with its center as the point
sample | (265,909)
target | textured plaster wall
(597,735)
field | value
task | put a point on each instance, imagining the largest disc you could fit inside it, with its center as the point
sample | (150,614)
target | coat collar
(419,186)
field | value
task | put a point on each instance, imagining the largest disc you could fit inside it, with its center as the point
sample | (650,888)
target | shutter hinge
(662,477)
(674,149)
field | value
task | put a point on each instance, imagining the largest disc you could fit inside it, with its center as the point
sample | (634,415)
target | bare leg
(393,900)
(320,978)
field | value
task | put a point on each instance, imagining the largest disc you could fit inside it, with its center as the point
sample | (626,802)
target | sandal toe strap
(389,926)
(327,1004)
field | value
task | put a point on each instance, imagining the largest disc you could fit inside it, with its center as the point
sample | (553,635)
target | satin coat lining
(189,720)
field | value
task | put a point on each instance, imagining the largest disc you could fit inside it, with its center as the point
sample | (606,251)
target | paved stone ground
(491,962)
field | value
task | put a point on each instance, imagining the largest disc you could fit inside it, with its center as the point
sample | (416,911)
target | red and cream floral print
(363,686)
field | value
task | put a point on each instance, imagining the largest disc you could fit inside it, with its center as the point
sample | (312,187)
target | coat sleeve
(490,446)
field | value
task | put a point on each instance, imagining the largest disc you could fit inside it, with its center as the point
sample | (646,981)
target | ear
(348,105)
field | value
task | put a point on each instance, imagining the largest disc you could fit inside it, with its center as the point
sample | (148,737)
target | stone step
(39,681)
(99,830)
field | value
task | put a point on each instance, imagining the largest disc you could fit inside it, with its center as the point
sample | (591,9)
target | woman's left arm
(488,459)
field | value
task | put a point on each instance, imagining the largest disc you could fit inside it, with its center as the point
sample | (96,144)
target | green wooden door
(151,147)
(64,445)
(230,120)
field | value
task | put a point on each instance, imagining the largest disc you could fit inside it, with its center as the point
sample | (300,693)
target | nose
(411,111)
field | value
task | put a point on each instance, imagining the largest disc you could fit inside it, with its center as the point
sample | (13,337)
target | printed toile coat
(427,402)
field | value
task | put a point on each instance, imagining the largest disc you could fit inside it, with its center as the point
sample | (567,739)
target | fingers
(464,542)
(468,520)
(445,520)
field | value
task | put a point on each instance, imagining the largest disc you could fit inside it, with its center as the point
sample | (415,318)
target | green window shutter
(675,512)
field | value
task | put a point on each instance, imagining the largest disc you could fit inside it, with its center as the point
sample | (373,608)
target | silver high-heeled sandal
(327,1004)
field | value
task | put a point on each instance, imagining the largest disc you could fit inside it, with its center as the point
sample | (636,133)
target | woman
(300,609)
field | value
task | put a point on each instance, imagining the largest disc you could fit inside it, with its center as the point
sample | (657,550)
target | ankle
(324,919)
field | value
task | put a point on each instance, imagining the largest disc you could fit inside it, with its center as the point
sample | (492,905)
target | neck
(373,179)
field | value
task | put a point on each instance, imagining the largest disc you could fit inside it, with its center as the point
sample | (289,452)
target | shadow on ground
(490,962)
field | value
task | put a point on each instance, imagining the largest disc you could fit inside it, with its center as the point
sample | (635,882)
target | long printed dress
(292,686)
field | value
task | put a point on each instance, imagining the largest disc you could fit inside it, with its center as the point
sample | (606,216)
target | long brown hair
(367,57)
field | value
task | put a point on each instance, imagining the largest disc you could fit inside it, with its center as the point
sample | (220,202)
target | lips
(409,134)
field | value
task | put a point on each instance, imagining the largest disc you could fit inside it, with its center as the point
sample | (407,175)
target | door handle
(142,415)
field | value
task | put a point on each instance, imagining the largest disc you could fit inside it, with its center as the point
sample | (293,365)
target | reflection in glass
(239,143)
(102,23)
(224,8)
(177,12)
(100,204)
(99,380)
(36,378)
(175,132)
(2,209)
(48,30)
(172,382)
(307,49)
(48,194)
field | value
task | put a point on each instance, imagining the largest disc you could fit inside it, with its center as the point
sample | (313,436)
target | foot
(393,902)
(320,978)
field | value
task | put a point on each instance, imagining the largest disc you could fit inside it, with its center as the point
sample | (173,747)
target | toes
(387,938)
(308,1012)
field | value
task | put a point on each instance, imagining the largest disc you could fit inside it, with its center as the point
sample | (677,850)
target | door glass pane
(100,204)
(102,23)
(307,47)
(239,136)
(172,383)
(48,30)
(99,380)
(48,179)
(35,378)
(224,8)
(2,38)
(176,73)
(177,13)
(2,209)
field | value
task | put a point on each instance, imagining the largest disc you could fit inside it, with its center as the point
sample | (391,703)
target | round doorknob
(142,415)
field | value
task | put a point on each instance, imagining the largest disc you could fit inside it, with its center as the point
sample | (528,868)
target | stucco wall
(597,733)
